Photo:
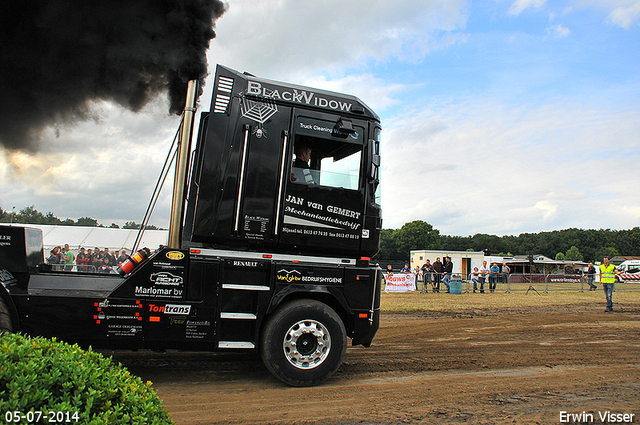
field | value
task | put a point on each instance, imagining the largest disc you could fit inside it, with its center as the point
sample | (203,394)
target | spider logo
(259,112)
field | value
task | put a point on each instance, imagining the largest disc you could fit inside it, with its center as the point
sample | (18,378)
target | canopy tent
(520,264)
(90,237)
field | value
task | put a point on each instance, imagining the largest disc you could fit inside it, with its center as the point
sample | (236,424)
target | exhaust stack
(182,165)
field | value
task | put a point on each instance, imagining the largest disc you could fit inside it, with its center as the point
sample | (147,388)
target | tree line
(569,244)
(29,215)
(396,244)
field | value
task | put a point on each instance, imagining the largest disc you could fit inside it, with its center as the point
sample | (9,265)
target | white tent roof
(101,237)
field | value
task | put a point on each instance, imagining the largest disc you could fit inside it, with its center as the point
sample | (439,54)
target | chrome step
(241,316)
(235,344)
(245,287)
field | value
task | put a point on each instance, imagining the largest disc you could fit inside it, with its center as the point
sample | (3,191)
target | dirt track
(477,366)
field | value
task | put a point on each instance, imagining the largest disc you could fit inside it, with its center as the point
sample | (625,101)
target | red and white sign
(625,277)
(400,282)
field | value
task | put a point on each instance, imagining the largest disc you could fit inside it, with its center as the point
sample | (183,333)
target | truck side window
(325,157)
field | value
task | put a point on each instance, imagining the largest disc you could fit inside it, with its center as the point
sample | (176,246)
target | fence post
(506,278)
(546,284)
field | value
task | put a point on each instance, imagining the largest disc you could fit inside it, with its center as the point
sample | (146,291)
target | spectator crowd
(91,260)
(440,272)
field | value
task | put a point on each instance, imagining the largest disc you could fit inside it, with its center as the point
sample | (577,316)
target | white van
(630,270)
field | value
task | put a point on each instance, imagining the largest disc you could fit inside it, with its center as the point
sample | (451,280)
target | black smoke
(56,56)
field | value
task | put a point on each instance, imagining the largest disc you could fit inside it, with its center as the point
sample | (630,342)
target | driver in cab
(301,172)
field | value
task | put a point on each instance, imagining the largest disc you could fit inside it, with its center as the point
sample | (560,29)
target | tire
(6,324)
(303,343)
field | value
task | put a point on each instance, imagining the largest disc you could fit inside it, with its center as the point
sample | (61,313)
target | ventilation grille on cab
(223,96)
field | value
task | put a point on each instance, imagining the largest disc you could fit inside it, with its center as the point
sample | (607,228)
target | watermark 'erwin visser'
(604,417)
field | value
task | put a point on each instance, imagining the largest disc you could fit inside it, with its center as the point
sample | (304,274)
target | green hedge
(44,375)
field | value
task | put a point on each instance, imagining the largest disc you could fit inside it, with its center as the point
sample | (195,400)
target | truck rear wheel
(303,343)
(6,324)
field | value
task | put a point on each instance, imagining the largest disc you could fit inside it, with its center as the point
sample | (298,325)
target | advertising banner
(400,282)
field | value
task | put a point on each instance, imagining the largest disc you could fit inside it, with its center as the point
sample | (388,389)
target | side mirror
(374,158)
(374,185)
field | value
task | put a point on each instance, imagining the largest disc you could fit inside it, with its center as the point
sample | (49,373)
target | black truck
(275,218)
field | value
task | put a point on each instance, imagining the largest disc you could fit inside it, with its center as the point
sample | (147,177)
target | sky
(499,117)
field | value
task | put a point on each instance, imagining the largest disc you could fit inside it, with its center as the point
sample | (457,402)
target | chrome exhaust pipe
(182,165)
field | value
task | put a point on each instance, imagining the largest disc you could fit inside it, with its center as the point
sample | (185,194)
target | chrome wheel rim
(307,344)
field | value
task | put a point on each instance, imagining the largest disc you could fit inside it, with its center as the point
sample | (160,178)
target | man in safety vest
(608,278)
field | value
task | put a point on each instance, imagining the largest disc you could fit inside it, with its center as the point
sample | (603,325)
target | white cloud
(483,167)
(288,39)
(105,170)
(559,31)
(549,210)
(622,13)
(625,16)
(375,92)
(519,5)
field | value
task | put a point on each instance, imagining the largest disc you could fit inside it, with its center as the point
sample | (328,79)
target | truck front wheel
(303,343)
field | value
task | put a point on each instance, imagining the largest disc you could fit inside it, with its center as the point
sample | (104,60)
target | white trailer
(463,261)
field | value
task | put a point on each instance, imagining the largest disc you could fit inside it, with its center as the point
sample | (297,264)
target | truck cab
(249,190)
(278,221)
